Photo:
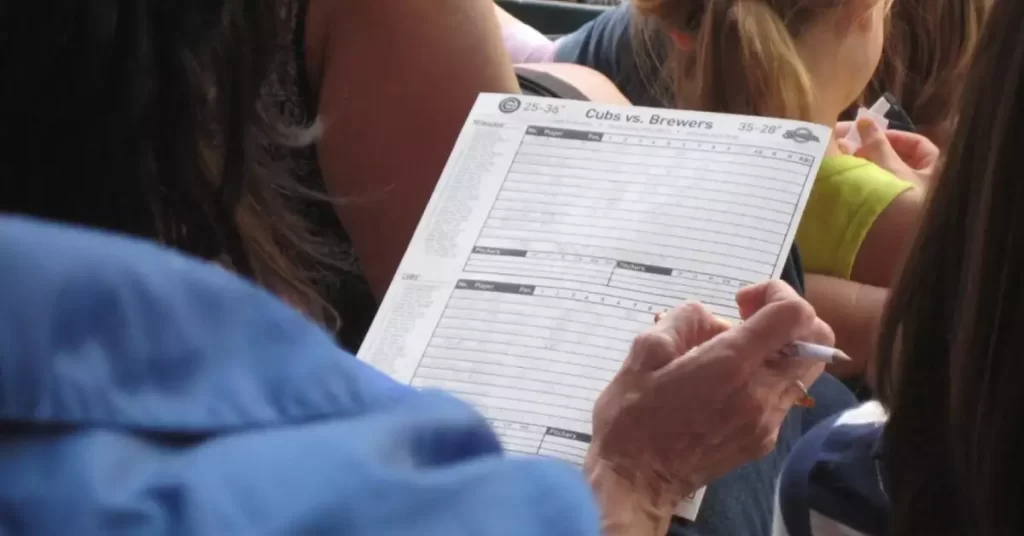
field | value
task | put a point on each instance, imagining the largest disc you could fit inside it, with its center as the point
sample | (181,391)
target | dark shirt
(605,44)
(830,483)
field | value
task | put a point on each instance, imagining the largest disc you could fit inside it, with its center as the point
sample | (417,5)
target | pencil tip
(839,355)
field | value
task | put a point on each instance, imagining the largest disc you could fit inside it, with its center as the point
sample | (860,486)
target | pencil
(814,352)
(801,350)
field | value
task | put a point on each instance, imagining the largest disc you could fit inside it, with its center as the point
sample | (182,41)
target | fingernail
(866,126)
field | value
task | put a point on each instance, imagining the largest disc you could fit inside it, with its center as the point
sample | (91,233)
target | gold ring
(805,400)
(659,316)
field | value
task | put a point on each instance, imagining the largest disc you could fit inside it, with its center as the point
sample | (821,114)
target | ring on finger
(805,400)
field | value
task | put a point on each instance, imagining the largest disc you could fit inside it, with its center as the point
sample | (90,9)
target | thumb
(846,146)
(875,144)
(753,298)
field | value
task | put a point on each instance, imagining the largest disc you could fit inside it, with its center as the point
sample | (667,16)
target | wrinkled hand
(697,397)
(909,156)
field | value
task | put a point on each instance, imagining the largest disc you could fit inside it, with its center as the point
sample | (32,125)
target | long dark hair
(145,117)
(951,353)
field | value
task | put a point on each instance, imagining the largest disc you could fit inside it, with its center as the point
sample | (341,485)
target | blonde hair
(745,58)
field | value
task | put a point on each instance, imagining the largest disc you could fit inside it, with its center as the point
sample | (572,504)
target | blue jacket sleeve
(145,393)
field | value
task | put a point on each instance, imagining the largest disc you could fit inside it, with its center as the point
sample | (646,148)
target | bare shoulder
(411,31)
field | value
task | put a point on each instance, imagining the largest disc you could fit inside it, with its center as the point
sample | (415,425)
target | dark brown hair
(951,350)
(927,48)
(145,117)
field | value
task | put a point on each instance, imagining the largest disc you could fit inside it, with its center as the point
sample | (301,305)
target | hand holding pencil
(796,354)
(802,350)
(693,380)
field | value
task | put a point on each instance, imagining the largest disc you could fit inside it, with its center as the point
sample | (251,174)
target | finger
(798,394)
(916,150)
(783,319)
(875,144)
(820,333)
(782,385)
(805,370)
(901,139)
(692,324)
(651,350)
(841,129)
(752,298)
(802,389)
(794,368)
(846,146)
(778,313)
(676,331)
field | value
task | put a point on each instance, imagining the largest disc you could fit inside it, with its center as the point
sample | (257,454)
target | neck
(828,115)
(830,83)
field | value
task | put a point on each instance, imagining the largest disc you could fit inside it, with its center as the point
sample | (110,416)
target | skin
(854,310)
(394,99)
(650,449)
(594,85)
(841,53)
(385,145)
(880,255)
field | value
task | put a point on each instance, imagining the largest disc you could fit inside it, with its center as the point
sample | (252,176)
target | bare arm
(505,19)
(854,310)
(626,508)
(887,242)
(594,85)
(396,79)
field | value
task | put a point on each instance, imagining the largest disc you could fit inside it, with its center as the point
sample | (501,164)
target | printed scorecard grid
(606,229)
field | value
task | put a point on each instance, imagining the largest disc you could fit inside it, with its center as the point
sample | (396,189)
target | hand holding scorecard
(559,228)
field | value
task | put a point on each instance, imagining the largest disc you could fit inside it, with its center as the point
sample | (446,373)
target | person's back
(150,393)
(947,459)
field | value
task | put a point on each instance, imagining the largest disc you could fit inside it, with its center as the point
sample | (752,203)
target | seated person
(152,163)
(860,218)
(146,392)
(938,453)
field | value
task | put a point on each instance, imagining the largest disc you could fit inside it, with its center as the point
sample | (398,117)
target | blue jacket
(142,392)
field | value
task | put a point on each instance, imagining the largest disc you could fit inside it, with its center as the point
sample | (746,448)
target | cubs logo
(509,105)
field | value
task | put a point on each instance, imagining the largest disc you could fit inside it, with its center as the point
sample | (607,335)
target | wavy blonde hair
(744,58)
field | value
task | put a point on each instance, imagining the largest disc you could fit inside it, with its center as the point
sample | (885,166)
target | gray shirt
(605,44)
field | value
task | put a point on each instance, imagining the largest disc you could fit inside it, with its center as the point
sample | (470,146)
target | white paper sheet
(559,228)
